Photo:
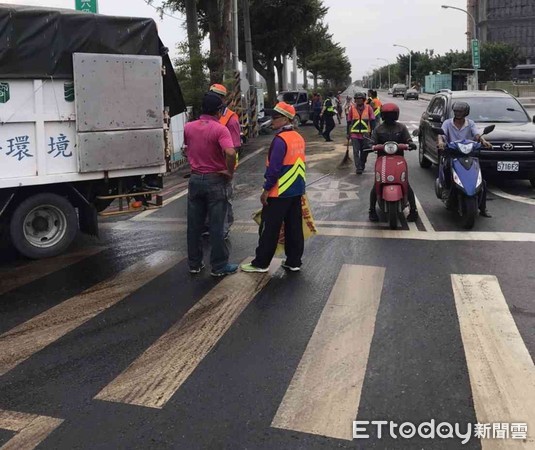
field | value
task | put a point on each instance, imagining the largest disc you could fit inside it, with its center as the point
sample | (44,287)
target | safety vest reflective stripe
(362,121)
(329,108)
(293,164)
(298,169)
(378,105)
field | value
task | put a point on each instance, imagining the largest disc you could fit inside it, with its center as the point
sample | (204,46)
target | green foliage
(497,59)
(193,87)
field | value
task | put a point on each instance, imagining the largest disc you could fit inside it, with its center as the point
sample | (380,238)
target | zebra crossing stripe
(12,278)
(324,394)
(158,373)
(502,374)
(31,429)
(21,342)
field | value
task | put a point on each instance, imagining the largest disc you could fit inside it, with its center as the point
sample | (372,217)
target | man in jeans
(212,159)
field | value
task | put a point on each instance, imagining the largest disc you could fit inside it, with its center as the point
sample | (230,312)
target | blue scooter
(460,182)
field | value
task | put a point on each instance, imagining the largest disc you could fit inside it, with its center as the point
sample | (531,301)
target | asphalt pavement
(115,345)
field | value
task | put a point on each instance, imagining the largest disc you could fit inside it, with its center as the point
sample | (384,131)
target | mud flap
(88,219)
(392,193)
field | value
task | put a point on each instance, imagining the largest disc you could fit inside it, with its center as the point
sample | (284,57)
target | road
(116,345)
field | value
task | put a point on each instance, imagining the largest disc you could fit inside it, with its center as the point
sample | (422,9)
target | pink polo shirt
(206,140)
(234,127)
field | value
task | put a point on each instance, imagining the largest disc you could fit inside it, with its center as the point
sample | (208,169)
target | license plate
(508,166)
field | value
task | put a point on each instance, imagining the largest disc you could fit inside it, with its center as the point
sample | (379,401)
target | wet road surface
(116,345)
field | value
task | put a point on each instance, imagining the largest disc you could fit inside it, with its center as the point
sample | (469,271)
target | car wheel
(424,162)
(297,121)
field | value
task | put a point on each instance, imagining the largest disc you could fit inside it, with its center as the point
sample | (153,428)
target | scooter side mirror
(416,132)
(489,129)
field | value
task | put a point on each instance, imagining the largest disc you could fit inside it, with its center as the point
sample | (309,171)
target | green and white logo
(68,91)
(4,92)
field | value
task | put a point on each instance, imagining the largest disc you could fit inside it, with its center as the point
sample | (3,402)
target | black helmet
(462,107)
(390,112)
(361,95)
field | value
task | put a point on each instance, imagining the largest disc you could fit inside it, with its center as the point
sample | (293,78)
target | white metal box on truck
(78,129)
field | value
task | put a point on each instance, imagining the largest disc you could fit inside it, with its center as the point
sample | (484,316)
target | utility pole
(294,73)
(248,42)
(235,44)
(194,53)
(284,73)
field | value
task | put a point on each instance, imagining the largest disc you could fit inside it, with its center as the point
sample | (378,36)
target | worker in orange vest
(230,120)
(281,197)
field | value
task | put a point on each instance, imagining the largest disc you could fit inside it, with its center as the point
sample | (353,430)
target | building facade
(510,21)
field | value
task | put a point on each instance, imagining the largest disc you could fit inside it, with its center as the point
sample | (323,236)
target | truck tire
(43,226)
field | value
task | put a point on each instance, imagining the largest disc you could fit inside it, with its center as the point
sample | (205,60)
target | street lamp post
(379,70)
(410,63)
(476,74)
(388,65)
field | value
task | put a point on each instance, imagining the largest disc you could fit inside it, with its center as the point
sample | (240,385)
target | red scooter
(392,179)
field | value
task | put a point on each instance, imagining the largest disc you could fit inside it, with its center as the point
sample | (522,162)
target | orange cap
(285,109)
(218,89)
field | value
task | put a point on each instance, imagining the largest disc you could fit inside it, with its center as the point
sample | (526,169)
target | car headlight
(391,148)
(457,179)
(466,148)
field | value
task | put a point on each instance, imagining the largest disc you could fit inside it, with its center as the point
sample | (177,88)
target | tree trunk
(219,30)
(194,54)
(268,73)
(279,64)
(315,75)
(305,79)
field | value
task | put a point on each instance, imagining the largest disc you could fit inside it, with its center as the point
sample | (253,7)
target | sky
(366,28)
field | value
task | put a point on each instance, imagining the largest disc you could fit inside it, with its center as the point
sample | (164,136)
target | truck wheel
(43,225)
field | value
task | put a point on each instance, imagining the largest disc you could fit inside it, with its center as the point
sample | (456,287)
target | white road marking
(486,236)
(502,374)
(13,277)
(149,212)
(153,378)
(324,394)
(423,216)
(21,342)
(31,429)
(516,198)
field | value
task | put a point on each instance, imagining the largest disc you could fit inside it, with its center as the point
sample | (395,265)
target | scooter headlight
(479,179)
(391,148)
(457,179)
(466,148)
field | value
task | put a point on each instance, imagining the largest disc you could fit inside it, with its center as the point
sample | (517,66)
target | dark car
(412,93)
(399,89)
(299,100)
(513,139)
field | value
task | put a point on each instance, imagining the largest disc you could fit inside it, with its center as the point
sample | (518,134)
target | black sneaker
(485,213)
(196,270)
(373,216)
(413,216)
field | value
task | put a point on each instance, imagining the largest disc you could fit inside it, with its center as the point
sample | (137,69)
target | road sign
(90,6)
(476,61)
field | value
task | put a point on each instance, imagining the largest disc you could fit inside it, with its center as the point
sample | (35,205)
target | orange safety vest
(362,122)
(291,182)
(224,121)
(378,105)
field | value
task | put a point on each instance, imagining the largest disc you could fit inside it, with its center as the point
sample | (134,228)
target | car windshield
(288,97)
(494,110)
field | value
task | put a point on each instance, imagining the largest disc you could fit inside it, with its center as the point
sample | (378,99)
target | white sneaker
(290,268)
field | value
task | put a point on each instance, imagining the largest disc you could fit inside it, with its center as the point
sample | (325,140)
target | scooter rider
(391,130)
(458,129)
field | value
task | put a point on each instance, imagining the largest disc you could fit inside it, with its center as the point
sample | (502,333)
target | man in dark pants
(281,198)
(210,152)
(316,112)
(327,113)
